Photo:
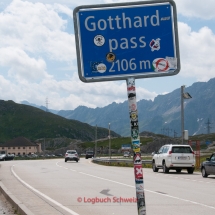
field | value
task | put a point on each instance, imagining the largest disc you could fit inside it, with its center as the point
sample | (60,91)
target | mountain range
(163,115)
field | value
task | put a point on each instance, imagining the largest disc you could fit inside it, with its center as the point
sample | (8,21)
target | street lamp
(109,142)
(183,96)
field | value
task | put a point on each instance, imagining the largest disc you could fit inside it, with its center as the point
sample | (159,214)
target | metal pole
(135,140)
(182,114)
(95,143)
(43,148)
(109,142)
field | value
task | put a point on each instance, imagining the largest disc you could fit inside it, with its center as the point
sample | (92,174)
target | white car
(176,157)
(71,155)
(126,154)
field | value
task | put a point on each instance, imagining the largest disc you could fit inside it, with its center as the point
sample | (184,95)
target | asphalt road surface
(55,187)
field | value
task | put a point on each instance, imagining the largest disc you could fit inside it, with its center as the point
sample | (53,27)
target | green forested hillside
(33,123)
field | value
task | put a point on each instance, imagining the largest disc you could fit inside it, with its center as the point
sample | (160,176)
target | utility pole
(109,142)
(95,154)
(44,147)
(175,134)
(208,123)
(183,96)
(47,104)
(182,114)
(168,130)
(162,131)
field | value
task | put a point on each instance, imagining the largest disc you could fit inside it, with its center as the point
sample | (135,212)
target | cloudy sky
(38,56)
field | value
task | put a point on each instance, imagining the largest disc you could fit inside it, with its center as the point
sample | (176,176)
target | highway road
(55,187)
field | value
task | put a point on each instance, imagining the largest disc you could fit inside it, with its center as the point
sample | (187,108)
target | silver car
(71,155)
(126,154)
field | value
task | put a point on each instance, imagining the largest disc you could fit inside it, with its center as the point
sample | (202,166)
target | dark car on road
(4,156)
(208,166)
(89,154)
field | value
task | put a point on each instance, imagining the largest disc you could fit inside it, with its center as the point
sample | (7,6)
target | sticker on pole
(138,172)
(137,159)
(163,65)
(136,144)
(139,188)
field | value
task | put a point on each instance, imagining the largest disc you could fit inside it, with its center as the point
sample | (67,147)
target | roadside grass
(210,137)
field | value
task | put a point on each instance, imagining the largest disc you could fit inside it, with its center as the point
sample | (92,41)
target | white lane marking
(43,195)
(106,179)
(173,197)
(57,164)
(185,200)
(187,179)
(65,167)
(164,175)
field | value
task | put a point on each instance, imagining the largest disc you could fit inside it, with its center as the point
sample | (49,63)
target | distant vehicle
(89,154)
(4,156)
(126,154)
(176,157)
(208,166)
(71,155)
(33,155)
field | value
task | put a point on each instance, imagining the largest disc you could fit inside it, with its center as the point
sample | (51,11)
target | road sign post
(135,140)
(128,41)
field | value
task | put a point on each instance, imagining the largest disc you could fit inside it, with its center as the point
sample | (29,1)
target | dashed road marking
(151,191)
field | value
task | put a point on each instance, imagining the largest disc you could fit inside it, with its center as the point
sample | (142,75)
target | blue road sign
(126,146)
(208,142)
(117,41)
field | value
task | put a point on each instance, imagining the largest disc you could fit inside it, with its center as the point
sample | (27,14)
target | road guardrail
(108,160)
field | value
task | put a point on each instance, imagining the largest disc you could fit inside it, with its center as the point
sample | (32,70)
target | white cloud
(70,3)
(38,29)
(188,8)
(62,9)
(68,94)
(21,65)
(197,52)
(197,8)
(90,94)
(18,91)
